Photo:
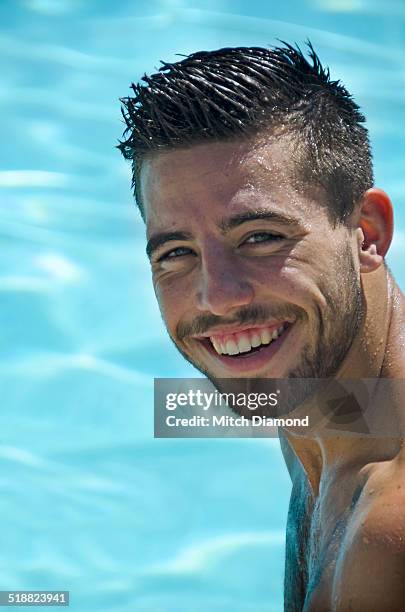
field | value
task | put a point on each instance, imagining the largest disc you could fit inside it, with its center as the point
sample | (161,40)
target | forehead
(209,181)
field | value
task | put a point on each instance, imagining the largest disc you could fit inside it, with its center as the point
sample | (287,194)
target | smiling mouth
(247,343)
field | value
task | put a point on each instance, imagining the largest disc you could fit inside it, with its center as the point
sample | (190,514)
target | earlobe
(375,229)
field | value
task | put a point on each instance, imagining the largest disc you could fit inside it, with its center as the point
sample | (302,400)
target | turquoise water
(90,501)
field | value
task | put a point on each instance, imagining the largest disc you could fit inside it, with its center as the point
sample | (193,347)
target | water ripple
(198,557)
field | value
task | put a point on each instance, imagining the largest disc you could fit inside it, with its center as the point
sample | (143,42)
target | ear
(375,228)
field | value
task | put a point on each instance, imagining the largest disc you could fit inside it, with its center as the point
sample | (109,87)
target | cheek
(173,302)
(302,280)
(289,279)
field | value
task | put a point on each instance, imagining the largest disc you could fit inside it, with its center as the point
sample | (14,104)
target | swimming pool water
(91,503)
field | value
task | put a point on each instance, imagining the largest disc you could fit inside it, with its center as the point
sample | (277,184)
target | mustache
(248,315)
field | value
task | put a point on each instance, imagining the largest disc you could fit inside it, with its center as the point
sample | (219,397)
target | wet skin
(236,243)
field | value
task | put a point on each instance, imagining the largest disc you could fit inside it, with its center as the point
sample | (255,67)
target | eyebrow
(254,215)
(161,238)
(225,225)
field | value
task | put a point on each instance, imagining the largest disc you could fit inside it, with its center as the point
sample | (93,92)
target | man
(252,170)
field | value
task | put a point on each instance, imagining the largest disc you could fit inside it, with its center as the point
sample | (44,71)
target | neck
(376,352)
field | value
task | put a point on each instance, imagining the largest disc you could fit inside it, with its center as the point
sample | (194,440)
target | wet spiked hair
(234,93)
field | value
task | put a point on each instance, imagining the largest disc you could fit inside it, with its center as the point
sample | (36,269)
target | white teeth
(231,347)
(265,336)
(217,346)
(255,340)
(244,345)
(246,341)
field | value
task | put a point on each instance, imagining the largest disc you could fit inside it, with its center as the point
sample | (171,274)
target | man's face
(251,277)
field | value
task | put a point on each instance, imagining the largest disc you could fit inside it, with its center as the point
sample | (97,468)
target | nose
(222,285)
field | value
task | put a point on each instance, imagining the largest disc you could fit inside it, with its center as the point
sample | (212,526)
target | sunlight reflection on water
(91,502)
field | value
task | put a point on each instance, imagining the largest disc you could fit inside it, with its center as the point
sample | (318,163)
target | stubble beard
(334,330)
(333,333)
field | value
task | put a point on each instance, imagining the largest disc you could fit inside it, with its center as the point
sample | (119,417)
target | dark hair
(236,92)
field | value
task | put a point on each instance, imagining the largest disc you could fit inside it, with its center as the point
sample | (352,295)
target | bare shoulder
(370,570)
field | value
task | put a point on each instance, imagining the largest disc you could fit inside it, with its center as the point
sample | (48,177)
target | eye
(261,237)
(175,253)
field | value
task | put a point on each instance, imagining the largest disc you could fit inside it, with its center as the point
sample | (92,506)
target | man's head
(249,169)
(234,93)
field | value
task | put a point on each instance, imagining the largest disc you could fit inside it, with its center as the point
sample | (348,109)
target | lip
(221,331)
(245,363)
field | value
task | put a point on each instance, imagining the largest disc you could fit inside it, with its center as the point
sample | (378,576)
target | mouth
(248,349)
